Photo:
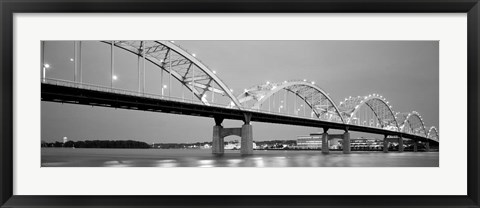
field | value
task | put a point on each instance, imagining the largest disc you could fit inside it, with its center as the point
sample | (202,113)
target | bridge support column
(427,146)
(217,140)
(400,144)
(325,149)
(385,144)
(346,142)
(415,146)
(247,136)
(247,140)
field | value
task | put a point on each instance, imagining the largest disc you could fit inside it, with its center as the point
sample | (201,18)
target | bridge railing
(102,88)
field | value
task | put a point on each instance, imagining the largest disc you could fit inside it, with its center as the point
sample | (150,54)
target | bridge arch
(183,66)
(433,134)
(412,123)
(316,98)
(379,106)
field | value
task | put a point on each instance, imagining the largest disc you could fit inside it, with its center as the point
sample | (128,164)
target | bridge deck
(95,97)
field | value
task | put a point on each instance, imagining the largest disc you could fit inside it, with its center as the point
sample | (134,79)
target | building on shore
(314,141)
(365,144)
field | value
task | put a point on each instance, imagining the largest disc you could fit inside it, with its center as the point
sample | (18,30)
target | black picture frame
(10,7)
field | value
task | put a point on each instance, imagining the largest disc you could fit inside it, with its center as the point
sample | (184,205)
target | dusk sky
(406,73)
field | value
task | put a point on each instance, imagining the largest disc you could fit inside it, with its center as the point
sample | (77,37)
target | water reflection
(66,157)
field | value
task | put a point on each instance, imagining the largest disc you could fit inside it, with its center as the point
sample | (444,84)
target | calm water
(67,157)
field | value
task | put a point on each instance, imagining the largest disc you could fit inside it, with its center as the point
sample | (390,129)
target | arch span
(183,66)
(316,98)
(412,123)
(379,105)
(433,134)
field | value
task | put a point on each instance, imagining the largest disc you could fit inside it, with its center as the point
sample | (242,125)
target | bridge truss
(321,105)
(182,66)
(383,116)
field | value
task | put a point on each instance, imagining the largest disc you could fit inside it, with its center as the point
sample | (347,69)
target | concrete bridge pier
(247,136)
(346,142)
(427,146)
(217,140)
(385,144)
(415,146)
(325,147)
(400,144)
(245,133)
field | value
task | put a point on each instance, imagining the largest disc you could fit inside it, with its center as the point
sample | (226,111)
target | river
(68,157)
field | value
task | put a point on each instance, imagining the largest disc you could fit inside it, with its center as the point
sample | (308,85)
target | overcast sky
(406,73)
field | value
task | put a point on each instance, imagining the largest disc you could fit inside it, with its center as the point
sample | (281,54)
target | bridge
(187,86)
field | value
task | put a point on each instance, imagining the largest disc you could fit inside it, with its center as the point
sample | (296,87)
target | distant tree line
(273,144)
(99,144)
(180,145)
(276,143)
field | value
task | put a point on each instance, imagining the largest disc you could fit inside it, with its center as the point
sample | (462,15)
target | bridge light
(161,60)
(313,82)
(245,90)
(114,77)
(46,66)
(214,72)
(172,41)
(268,82)
(194,55)
(164,86)
(71,59)
(285,81)
(231,90)
(304,80)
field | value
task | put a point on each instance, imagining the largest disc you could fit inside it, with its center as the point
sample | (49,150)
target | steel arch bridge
(201,81)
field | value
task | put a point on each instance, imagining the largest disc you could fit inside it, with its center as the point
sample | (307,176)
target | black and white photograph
(239,103)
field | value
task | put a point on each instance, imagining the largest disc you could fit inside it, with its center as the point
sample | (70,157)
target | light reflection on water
(66,157)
